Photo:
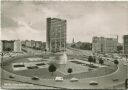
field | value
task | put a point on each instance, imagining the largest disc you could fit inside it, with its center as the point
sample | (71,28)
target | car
(59,79)
(32,67)
(73,80)
(11,76)
(93,83)
(115,79)
(35,78)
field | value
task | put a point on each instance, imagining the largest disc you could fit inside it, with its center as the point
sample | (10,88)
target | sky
(26,20)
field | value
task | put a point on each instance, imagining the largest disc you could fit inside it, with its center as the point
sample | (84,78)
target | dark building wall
(8,45)
(125,40)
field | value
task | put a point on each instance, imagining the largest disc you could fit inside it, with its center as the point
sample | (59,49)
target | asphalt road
(105,82)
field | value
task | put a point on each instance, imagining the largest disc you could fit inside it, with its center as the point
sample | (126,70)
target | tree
(90,59)
(126,83)
(94,59)
(119,48)
(45,50)
(116,62)
(52,68)
(70,70)
(73,46)
(101,61)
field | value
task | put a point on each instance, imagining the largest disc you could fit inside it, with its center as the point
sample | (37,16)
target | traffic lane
(81,84)
(104,82)
(107,81)
(9,84)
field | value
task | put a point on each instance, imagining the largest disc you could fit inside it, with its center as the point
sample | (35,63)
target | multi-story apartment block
(104,45)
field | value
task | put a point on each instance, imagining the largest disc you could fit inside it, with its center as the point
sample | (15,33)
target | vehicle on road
(73,80)
(93,83)
(59,79)
(32,67)
(35,78)
(115,79)
(11,76)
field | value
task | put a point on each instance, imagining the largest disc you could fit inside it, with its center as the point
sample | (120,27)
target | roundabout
(103,75)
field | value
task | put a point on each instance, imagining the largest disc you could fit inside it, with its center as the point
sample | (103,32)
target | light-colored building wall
(17,46)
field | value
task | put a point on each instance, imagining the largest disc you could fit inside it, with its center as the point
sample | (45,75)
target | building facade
(104,45)
(56,35)
(1,46)
(125,44)
(7,45)
(17,46)
(10,46)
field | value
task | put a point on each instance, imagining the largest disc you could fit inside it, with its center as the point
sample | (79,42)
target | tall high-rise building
(125,46)
(104,45)
(56,35)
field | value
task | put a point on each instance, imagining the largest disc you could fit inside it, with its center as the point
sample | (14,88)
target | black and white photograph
(64,44)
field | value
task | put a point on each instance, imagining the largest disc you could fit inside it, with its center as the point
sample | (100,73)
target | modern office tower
(56,35)
(125,44)
(104,45)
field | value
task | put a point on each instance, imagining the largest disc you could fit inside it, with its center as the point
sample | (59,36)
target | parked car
(93,83)
(115,79)
(11,76)
(32,67)
(59,79)
(35,78)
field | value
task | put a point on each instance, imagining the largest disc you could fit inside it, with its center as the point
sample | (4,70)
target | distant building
(28,43)
(1,46)
(10,46)
(39,45)
(7,45)
(104,45)
(56,35)
(125,46)
(17,46)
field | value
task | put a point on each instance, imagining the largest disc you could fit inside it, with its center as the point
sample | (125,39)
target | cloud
(7,22)
(27,20)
